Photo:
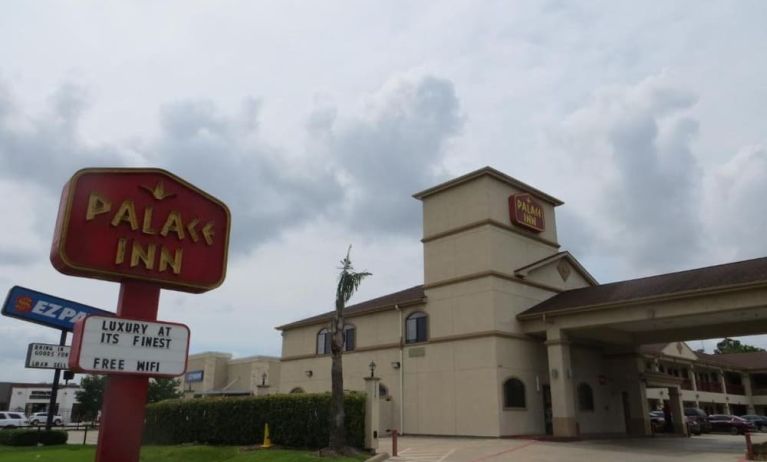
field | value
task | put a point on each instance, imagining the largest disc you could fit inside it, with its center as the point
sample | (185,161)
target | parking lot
(705,448)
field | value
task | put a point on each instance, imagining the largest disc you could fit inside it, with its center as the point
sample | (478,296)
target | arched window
(416,327)
(383,392)
(297,390)
(513,393)
(585,397)
(324,337)
(350,337)
(323,342)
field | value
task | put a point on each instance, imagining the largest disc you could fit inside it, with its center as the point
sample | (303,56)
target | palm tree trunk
(337,415)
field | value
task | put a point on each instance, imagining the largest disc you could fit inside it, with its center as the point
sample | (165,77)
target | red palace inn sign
(146,229)
(527,212)
(141,224)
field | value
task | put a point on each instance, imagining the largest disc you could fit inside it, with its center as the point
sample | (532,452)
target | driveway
(705,448)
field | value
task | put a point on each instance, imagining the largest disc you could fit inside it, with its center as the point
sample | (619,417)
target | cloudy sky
(316,121)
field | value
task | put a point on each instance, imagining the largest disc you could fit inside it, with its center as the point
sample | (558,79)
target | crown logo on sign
(158,192)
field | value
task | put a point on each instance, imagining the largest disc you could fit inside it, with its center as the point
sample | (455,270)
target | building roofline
(572,301)
(488,171)
(245,359)
(523,271)
(217,354)
(403,298)
(720,361)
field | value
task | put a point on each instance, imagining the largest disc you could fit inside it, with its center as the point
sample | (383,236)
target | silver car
(40,418)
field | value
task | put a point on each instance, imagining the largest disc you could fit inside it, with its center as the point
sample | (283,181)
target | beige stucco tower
(482,268)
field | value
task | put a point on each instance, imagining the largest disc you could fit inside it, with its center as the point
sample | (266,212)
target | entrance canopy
(716,301)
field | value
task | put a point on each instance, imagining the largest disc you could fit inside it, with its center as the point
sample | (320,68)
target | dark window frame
(585,397)
(350,337)
(324,347)
(417,327)
(514,394)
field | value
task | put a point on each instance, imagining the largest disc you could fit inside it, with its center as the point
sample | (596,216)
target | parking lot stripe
(516,448)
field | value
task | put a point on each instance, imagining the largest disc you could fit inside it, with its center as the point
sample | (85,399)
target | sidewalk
(706,448)
(76,437)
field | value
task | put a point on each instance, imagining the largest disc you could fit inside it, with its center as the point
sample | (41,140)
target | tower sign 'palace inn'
(510,335)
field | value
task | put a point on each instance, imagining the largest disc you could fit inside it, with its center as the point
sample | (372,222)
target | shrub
(295,420)
(48,438)
(32,437)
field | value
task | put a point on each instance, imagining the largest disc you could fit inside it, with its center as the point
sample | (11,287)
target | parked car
(759,421)
(700,416)
(13,420)
(730,424)
(657,421)
(693,426)
(41,418)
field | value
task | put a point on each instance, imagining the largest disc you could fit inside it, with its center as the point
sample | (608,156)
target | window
(324,337)
(416,328)
(40,394)
(323,342)
(585,397)
(513,393)
(383,392)
(350,337)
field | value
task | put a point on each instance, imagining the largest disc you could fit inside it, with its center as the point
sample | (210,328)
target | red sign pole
(122,414)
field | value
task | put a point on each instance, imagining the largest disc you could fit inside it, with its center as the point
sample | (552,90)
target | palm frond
(349,280)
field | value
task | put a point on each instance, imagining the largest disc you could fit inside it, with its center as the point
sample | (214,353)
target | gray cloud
(735,202)
(359,171)
(393,151)
(225,156)
(47,149)
(15,256)
(635,143)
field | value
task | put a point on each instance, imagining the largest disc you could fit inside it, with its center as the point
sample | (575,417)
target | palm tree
(348,282)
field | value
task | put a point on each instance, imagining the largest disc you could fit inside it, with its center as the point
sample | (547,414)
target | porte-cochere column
(561,383)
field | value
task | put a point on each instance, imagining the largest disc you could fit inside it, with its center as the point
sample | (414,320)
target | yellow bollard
(267,441)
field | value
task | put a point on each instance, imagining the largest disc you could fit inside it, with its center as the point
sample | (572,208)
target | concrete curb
(378,457)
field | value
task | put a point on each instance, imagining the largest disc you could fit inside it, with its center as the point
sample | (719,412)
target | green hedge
(32,437)
(53,437)
(295,420)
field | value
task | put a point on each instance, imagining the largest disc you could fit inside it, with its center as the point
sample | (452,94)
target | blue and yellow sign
(58,313)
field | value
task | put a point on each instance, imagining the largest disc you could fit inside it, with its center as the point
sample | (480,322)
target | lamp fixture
(395,364)
(309,373)
(372,367)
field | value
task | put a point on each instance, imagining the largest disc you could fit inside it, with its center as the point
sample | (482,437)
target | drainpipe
(401,373)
